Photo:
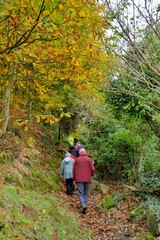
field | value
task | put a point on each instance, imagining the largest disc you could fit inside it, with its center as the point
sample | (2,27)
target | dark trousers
(69,186)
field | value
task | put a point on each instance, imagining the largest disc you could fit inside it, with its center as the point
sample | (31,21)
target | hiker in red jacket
(78,146)
(83,171)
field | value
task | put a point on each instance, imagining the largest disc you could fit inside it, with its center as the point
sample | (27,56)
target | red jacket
(83,169)
(72,156)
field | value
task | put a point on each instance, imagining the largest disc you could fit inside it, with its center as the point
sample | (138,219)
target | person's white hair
(68,154)
(82,150)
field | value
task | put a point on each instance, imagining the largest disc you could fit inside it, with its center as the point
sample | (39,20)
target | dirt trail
(109,225)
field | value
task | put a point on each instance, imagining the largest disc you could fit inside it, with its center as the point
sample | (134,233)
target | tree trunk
(141,164)
(7,106)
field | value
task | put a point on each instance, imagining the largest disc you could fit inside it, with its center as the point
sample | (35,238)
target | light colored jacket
(66,167)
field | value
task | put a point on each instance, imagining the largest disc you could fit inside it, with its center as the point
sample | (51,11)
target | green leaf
(58,19)
(52,4)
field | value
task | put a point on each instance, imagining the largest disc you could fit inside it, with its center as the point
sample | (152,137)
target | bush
(117,152)
(149,179)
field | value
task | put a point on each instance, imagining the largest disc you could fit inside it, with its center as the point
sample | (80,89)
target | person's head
(71,148)
(82,150)
(68,154)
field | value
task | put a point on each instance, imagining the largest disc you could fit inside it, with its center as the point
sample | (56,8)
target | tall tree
(136,31)
(135,41)
(57,47)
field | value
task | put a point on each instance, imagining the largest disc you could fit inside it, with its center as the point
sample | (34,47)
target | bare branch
(27,33)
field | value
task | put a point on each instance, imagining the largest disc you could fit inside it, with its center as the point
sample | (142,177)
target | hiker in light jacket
(66,170)
(83,171)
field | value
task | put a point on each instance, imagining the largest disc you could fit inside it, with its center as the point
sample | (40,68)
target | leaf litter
(111,224)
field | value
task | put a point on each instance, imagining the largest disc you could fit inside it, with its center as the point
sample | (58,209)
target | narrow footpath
(111,224)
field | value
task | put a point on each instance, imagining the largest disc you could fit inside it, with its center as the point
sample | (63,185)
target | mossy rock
(153,223)
(109,202)
(137,214)
(93,186)
(103,188)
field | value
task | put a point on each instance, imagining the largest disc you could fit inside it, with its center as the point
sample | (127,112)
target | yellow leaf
(26,128)
(66,87)
(19,123)
(51,121)
(38,119)
(60,6)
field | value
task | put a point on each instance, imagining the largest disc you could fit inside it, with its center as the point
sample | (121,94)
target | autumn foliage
(50,52)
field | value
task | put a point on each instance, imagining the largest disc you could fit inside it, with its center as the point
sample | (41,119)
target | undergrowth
(31,215)
(31,205)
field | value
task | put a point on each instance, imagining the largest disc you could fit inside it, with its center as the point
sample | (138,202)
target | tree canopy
(51,51)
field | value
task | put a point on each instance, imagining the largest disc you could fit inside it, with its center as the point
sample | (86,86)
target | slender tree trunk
(141,164)
(30,111)
(7,106)
(59,133)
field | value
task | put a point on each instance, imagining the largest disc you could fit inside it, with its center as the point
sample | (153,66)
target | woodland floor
(109,225)
(106,225)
